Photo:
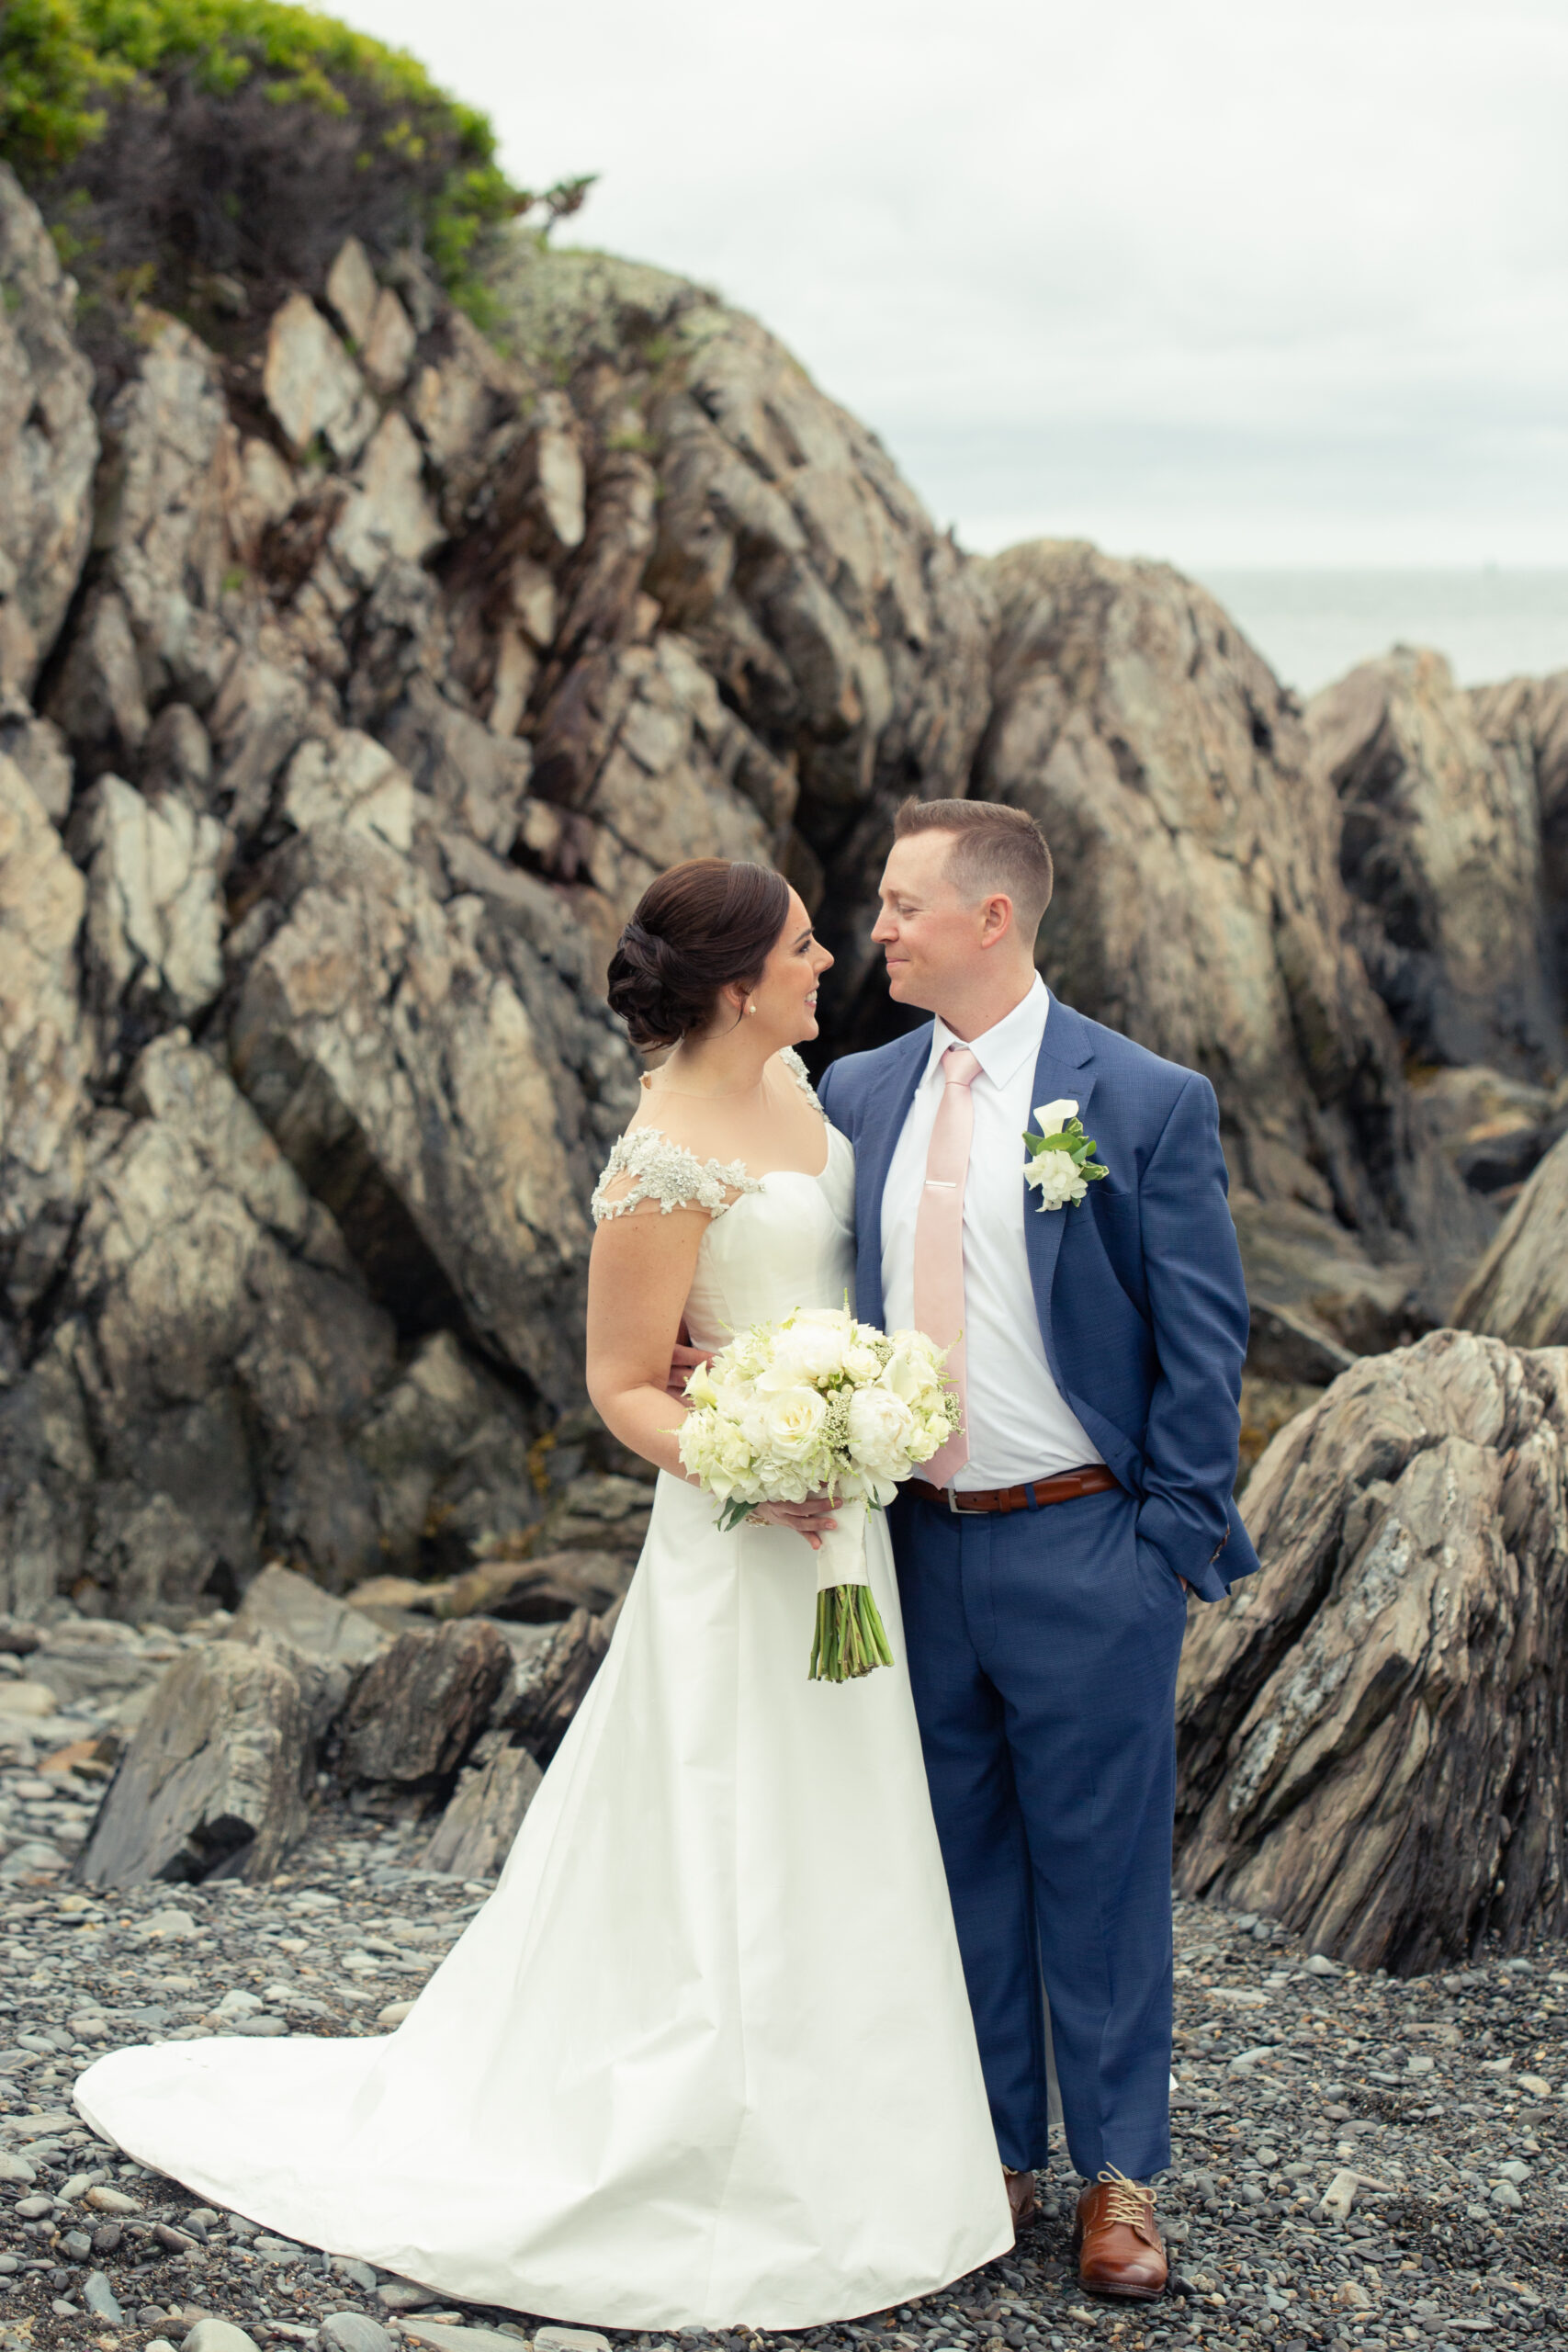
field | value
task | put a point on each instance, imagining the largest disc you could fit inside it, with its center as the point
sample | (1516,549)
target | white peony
(812,1347)
(882,1429)
(1056,1178)
(1050,1118)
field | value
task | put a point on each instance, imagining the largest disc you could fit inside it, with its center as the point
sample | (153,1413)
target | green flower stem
(851,1639)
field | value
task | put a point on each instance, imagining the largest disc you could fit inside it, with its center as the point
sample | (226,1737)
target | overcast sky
(1231,281)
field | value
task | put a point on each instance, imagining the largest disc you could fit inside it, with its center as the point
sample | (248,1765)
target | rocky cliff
(358,672)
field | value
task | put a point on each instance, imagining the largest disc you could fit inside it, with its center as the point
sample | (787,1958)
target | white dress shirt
(1020,1426)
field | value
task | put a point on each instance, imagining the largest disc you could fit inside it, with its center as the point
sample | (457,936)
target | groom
(1045,1560)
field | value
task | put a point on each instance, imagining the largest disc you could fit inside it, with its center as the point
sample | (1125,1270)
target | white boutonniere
(1062,1163)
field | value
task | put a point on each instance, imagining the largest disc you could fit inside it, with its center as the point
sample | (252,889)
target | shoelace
(1128,2202)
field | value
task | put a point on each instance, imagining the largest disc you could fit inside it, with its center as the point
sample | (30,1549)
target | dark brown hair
(699,927)
(993,849)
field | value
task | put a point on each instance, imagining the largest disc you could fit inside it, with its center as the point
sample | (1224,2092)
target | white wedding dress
(705,2055)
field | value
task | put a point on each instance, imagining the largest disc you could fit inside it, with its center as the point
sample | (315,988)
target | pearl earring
(751,1007)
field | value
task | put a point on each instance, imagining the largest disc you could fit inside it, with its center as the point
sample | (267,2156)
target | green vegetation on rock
(209,153)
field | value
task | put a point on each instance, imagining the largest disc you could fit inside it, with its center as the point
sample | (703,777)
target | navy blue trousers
(1042,1649)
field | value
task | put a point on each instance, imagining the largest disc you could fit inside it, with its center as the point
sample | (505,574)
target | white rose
(862,1364)
(1050,1118)
(1055,1176)
(792,1420)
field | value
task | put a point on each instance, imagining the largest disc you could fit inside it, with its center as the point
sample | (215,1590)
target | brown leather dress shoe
(1020,2197)
(1119,2248)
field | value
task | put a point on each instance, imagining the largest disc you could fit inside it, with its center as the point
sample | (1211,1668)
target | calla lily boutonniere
(1062,1164)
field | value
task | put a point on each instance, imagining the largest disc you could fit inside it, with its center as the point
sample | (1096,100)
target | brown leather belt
(1094,1478)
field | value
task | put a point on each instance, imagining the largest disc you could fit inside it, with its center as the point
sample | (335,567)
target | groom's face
(931,938)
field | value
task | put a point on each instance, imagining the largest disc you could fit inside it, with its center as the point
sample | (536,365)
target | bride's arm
(638,1277)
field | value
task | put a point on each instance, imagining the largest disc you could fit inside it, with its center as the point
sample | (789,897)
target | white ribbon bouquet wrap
(820,1404)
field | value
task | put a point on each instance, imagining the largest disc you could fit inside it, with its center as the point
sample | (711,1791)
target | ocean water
(1311,626)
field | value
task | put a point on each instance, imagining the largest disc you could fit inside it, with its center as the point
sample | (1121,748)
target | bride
(705,2056)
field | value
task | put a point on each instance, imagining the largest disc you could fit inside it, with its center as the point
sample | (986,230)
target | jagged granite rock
(842,631)
(214,1782)
(1370,1730)
(46,1054)
(1520,1291)
(1440,846)
(416,1711)
(1198,903)
(49,442)
(215,1345)
(325,1645)
(154,907)
(485,1812)
(382,1035)
(1527,719)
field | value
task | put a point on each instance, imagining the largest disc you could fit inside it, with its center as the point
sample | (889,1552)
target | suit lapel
(874,1146)
(1064,1065)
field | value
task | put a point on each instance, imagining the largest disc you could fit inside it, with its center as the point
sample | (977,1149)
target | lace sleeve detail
(651,1168)
(797,1069)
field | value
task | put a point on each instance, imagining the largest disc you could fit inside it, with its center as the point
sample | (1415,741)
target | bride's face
(785,995)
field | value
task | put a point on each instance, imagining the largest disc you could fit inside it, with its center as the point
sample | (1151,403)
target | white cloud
(1237,281)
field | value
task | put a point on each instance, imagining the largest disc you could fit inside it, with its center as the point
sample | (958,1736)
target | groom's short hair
(993,849)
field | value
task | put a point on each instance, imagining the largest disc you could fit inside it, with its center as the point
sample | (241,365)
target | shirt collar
(1002,1051)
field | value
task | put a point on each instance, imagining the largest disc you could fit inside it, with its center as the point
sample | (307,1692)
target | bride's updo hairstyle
(697,929)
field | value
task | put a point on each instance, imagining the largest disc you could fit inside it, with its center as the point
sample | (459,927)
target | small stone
(111,2200)
(447,2338)
(1351,2296)
(33,2208)
(1319,1964)
(238,2004)
(570,2339)
(359,2274)
(26,1699)
(99,2298)
(1516,2170)
(353,2332)
(173,2241)
(74,2187)
(1340,2195)
(171,1924)
(1507,2196)
(15,2169)
(217,2336)
(393,2013)
(1537,2086)
(9,2264)
(402,2295)
(77,2245)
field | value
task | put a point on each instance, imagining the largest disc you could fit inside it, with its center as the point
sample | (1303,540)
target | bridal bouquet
(820,1404)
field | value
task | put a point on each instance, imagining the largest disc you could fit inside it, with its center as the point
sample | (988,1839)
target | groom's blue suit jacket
(1138,1287)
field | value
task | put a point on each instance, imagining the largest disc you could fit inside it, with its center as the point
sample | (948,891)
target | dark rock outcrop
(215,1781)
(1370,1730)
(1441,844)
(1520,1291)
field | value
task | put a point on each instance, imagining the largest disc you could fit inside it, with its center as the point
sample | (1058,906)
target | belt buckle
(951,1493)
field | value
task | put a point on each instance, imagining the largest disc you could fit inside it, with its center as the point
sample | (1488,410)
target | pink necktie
(938,1241)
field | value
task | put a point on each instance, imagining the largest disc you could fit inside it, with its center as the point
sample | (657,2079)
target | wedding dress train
(705,2055)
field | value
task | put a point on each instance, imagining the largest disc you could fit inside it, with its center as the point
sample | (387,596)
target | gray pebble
(217,2336)
(99,2298)
(353,2332)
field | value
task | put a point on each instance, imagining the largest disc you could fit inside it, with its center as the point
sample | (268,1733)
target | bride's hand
(813,1519)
